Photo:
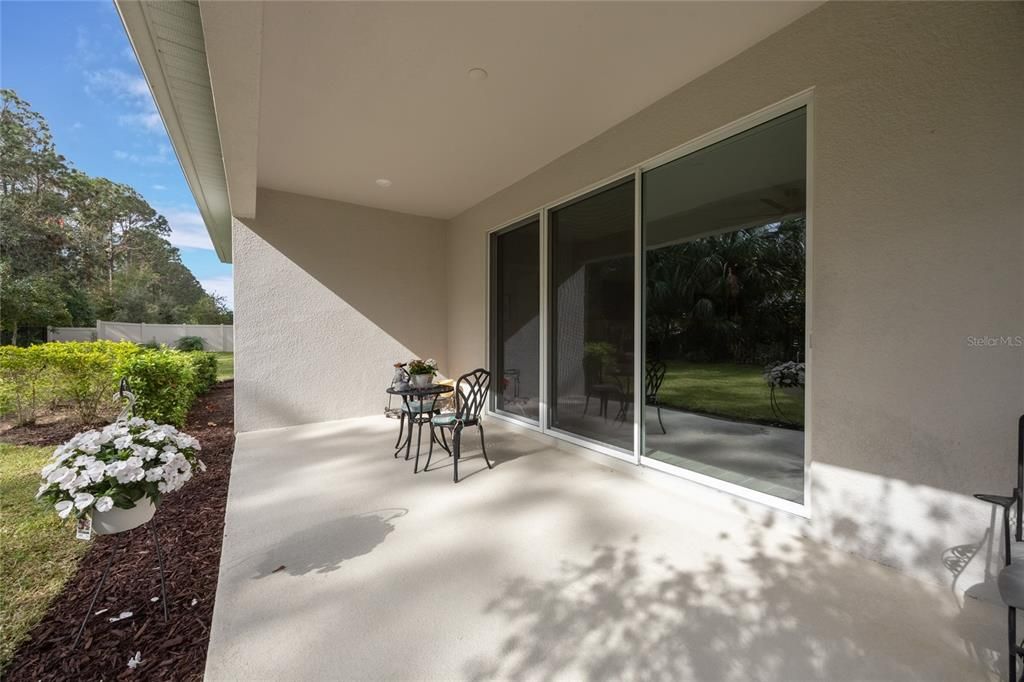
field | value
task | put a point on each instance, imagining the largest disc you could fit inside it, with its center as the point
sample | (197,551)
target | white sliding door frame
(804,99)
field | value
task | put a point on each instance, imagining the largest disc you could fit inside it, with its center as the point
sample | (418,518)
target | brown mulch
(191,525)
(50,429)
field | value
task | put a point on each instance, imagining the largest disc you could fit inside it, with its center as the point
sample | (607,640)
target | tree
(74,247)
(734,295)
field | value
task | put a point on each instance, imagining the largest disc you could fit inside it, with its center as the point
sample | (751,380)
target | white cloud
(149,121)
(119,83)
(161,155)
(221,286)
(87,50)
(133,91)
(77,125)
(187,228)
(159,188)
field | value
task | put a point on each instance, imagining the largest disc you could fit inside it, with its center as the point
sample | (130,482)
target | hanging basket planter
(117,520)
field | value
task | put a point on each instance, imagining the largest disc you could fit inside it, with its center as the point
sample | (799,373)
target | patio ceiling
(353,92)
(324,99)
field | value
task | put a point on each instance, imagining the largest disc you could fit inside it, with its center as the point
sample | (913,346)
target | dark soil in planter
(191,525)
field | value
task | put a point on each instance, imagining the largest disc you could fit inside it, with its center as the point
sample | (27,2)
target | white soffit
(352,92)
(167,36)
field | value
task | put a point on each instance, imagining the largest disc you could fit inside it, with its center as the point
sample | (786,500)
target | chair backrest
(471,394)
(654,376)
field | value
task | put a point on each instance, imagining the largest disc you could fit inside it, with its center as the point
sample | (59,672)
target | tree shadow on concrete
(793,610)
(323,548)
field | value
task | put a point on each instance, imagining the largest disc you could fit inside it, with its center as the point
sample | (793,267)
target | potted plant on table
(422,372)
(117,475)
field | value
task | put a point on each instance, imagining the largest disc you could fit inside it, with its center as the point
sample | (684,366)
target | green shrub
(190,343)
(205,365)
(84,373)
(164,383)
(8,396)
(25,383)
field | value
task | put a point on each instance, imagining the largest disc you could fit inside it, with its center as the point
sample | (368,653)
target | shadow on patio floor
(325,546)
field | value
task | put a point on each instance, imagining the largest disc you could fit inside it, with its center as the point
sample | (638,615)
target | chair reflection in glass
(654,376)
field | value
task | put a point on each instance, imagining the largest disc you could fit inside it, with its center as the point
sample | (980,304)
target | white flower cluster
(128,458)
(785,375)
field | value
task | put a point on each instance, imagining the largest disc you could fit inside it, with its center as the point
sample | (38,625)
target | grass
(40,552)
(225,366)
(727,390)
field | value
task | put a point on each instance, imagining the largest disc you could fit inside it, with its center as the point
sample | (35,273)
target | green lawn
(39,552)
(225,366)
(726,390)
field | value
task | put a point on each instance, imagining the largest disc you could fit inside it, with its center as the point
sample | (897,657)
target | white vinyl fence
(71,333)
(216,337)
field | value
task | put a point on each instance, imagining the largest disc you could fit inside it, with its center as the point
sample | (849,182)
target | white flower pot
(421,380)
(117,520)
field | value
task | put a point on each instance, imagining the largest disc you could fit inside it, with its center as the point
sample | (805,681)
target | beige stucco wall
(918,244)
(327,296)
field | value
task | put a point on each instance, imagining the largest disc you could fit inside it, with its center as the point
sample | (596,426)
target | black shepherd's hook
(124,393)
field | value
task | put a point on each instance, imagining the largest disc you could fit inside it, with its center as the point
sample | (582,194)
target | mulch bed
(191,525)
(48,430)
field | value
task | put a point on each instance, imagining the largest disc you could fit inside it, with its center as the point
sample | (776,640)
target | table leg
(419,441)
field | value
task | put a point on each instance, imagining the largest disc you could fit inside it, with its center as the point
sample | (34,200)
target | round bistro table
(418,406)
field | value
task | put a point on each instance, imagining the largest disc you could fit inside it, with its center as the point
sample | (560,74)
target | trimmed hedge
(24,382)
(164,383)
(190,343)
(85,376)
(85,372)
(205,365)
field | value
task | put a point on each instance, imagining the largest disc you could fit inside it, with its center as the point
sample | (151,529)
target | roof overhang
(167,37)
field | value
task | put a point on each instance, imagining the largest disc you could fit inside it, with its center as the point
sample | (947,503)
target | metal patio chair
(1011,577)
(470,396)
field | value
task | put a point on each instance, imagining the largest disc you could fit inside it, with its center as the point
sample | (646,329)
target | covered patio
(792,226)
(340,563)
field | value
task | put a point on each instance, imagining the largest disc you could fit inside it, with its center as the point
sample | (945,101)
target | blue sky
(73,63)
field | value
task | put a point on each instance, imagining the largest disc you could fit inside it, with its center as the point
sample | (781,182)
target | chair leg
(456,444)
(482,446)
(661,423)
(444,441)
(401,430)
(586,405)
(1011,627)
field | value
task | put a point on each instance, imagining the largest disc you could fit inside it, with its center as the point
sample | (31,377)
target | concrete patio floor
(339,563)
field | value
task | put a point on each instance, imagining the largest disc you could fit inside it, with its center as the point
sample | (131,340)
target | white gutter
(167,37)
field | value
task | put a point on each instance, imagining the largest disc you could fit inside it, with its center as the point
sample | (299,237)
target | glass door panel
(515,321)
(724,257)
(591,313)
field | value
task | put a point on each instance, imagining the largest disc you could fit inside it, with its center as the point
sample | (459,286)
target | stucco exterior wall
(327,296)
(917,246)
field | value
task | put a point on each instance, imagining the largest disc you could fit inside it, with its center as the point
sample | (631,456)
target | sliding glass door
(515,320)
(675,338)
(590,303)
(724,255)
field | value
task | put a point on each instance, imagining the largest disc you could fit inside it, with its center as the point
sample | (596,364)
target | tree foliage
(736,296)
(76,248)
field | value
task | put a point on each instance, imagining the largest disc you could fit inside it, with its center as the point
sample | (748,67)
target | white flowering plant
(428,366)
(785,375)
(117,466)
